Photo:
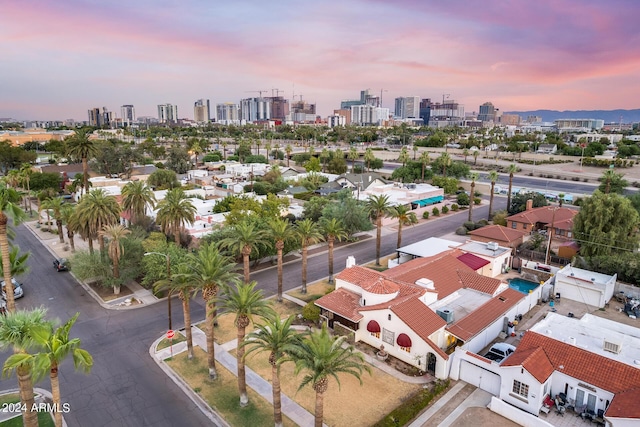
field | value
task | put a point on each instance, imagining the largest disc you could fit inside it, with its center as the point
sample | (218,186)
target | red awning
(404,340)
(373,326)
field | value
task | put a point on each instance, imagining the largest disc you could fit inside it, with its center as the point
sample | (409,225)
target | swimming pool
(522,285)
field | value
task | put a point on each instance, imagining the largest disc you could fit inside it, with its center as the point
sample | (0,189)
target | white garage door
(479,377)
(579,293)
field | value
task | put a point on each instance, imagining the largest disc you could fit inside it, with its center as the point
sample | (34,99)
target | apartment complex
(167,113)
(202,111)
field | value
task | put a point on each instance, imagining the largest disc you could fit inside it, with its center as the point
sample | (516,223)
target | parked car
(499,351)
(60,264)
(18,292)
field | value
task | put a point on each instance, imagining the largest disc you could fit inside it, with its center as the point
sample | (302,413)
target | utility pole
(553,219)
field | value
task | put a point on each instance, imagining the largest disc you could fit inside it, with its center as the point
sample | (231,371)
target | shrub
(477,201)
(435,212)
(425,215)
(455,207)
(160,165)
(482,223)
(469,225)
(412,406)
(445,209)
(461,231)
(311,312)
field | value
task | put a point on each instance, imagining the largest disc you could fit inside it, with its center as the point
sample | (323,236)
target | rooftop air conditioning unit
(446,314)
(613,347)
(492,246)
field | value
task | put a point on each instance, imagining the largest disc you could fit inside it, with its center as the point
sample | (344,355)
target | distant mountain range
(609,116)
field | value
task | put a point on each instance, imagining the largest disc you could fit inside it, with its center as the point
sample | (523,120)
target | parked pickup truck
(499,351)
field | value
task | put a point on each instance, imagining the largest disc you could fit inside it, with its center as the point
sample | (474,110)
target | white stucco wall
(533,401)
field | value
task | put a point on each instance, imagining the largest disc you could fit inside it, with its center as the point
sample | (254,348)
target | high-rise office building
(425,110)
(449,113)
(100,119)
(487,112)
(128,114)
(201,111)
(368,114)
(365,99)
(407,107)
(255,109)
(227,113)
(279,107)
(167,113)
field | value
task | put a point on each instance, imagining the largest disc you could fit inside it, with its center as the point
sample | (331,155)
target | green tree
(163,179)
(512,170)
(612,182)
(56,205)
(322,356)
(353,156)
(276,337)
(474,177)
(178,159)
(606,225)
(245,302)
(352,213)
(445,161)
(136,196)
(16,332)
(333,230)
(404,156)
(26,171)
(80,146)
(97,209)
(68,218)
(424,161)
(309,234)
(280,231)
(369,157)
(519,202)
(405,217)
(114,233)
(211,270)
(246,238)
(18,262)
(378,207)
(174,212)
(9,199)
(493,178)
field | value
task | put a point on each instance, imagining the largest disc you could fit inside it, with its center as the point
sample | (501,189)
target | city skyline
(65,58)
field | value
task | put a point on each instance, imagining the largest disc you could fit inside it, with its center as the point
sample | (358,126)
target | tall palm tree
(561,199)
(16,331)
(493,177)
(368,158)
(26,171)
(474,177)
(136,196)
(324,156)
(115,233)
(56,205)
(275,336)
(322,356)
(353,156)
(174,212)
(210,270)
(288,149)
(309,233)
(465,153)
(9,200)
(405,217)
(476,153)
(80,146)
(180,283)
(425,160)
(378,206)
(281,232)
(445,159)
(18,262)
(415,149)
(246,237)
(97,209)
(333,230)
(245,301)
(55,346)
(68,217)
(404,156)
(512,169)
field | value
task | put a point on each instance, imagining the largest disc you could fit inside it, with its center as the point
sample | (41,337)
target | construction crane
(277,92)
(258,91)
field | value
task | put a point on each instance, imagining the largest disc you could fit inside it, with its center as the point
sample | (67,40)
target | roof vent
(351,261)
(425,283)
(572,340)
(593,279)
(492,246)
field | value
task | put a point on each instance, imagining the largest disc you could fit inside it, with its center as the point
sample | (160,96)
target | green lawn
(44,420)
(166,343)
(9,398)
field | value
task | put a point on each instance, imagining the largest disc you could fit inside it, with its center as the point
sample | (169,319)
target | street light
(168,278)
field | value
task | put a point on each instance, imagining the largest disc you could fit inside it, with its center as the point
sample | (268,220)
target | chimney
(529,204)
(351,261)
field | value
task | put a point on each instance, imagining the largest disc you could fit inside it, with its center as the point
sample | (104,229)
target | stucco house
(595,289)
(504,236)
(553,219)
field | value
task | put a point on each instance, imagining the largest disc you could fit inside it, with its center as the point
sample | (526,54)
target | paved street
(126,387)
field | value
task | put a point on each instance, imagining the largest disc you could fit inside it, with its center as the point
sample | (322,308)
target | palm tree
(196,149)
(174,212)
(424,159)
(56,205)
(607,177)
(445,159)
(9,199)
(136,196)
(25,174)
(97,209)
(55,346)
(246,237)
(309,234)
(404,156)
(224,150)
(281,232)
(405,217)
(378,207)
(353,156)
(474,177)
(67,215)
(512,169)
(210,270)
(16,331)
(493,177)
(324,155)
(476,153)
(369,157)
(275,336)
(245,301)
(465,153)
(322,356)
(561,199)
(288,149)
(415,151)
(80,146)
(181,284)
(115,233)
(333,230)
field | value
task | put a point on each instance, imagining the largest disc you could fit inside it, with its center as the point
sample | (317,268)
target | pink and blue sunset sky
(61,58)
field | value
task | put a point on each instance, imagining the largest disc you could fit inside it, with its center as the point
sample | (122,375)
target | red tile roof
(358,275)
(485,315)
(534,360)
(342,302)
(475,281)
(562,218)
(381,286)
(617,377)
(498,233)
(473,261)
(421,319)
